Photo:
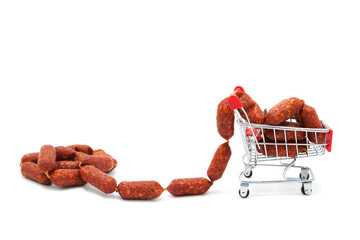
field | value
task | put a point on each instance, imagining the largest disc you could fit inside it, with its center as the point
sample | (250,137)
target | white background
(142,80)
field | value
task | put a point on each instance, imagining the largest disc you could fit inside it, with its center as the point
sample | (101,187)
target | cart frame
(253,140)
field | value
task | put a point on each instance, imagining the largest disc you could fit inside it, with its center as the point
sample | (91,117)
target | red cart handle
(234,102)
(239,88)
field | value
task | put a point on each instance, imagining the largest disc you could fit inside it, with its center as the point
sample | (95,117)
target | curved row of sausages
(79,164)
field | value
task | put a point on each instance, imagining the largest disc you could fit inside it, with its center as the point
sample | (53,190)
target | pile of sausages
(79,164)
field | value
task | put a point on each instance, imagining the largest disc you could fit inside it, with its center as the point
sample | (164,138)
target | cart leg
(304,175)
(306,188)
(244,190)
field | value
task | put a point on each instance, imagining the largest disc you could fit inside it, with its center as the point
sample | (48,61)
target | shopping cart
(259,151)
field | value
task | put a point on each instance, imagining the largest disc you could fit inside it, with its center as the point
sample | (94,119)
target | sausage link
(98,179)
(284,110)
(64,153)
(255,114)
(67,165)
(47,159)
(189,186)
(245,99)
(103,153)
(219,162)
(32,171)
(30,157)
(67,177)
(225,120)
(252,109)
(140,190)
(103,163)
(290,135)
(310,119)
(81,148)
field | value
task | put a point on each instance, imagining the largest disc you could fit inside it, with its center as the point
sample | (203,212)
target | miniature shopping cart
(253,138)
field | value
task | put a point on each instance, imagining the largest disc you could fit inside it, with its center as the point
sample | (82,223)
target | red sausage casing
(219,162)
(98,179)
(189,186)
(255,114)
(47,159)
(245,99)
(32,171)
(103,153)
(140,190)
(67,165)
(30,157)
(252,109)
(225,120)
(67,177)
(310,119)
(81,148)
(64,153)
(104,163)
(284,110)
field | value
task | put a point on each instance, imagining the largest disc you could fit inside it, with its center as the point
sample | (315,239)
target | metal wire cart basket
(259,151)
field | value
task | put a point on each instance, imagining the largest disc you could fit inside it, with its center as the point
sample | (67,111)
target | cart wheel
(306,188)
(304,177)
(248,174)
(244,193)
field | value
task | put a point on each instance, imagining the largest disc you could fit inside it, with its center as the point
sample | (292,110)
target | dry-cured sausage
(245,99)
(64,153)
(284,110)
(188,186)
(30,157)
(98,179)
(140,190)
(290,135)
(32,171)
(47,159)
(255,114)
(82,148)
(219,162)
(103,153)
(225,120)
(252,109)
(67,164)
(310,119)
(67,177)
(103,163)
